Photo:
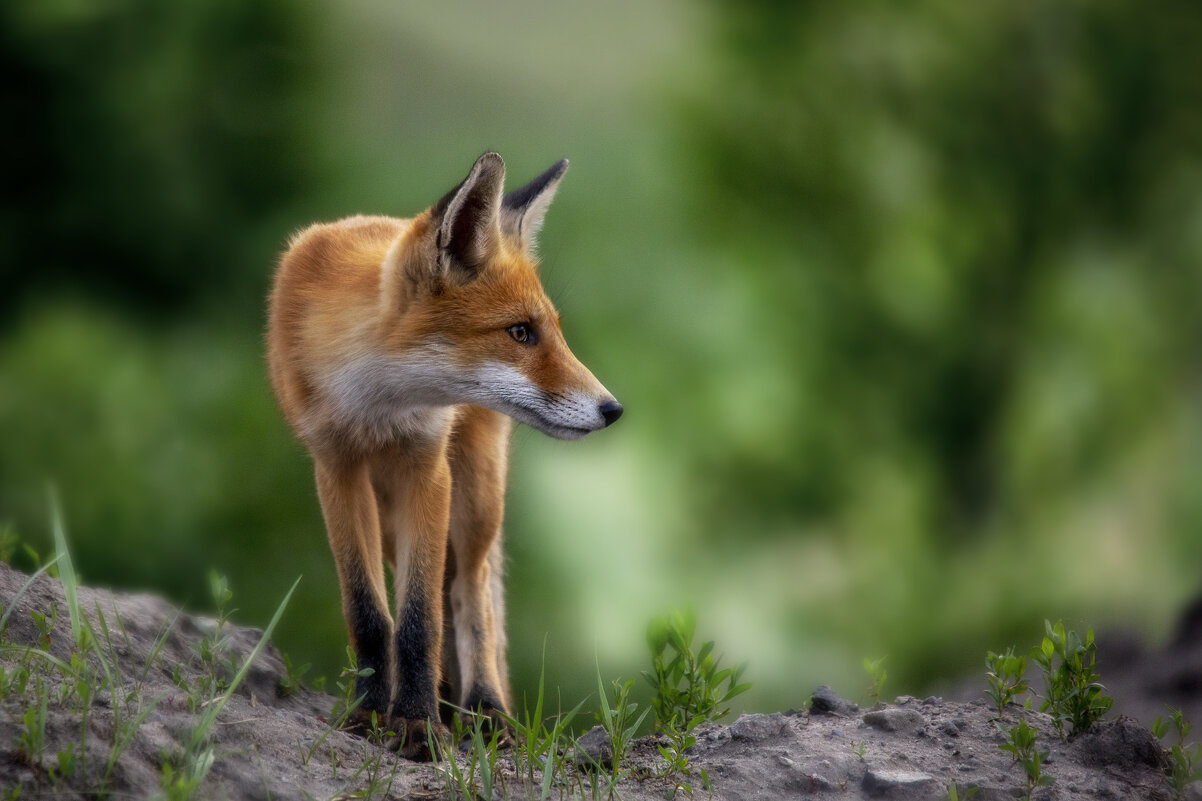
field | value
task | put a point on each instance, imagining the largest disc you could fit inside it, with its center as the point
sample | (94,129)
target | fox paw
(414,739)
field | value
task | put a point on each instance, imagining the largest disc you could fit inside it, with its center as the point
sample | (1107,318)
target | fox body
(400,350)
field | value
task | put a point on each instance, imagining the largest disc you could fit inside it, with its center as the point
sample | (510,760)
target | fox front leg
(479,453)
(415,501)
(352,524)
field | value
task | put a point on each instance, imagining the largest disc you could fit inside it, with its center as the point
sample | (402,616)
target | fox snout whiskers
(570,417)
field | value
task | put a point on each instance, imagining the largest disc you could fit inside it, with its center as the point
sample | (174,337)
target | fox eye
(522,333)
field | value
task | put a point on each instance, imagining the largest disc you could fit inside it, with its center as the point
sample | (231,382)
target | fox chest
(380,402)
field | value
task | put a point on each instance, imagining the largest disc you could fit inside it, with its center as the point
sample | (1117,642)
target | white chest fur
(383,398)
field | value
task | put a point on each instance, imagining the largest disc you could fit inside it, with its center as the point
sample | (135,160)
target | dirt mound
(126,718)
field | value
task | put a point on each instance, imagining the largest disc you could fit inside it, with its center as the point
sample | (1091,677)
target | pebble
(594,747)
(879,783)
(893,719)
(950,729)
(756,728)
(825,701)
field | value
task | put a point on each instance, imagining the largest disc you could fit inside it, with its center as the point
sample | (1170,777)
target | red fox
(399,351)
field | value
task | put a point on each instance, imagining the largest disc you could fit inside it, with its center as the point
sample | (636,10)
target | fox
(401,352)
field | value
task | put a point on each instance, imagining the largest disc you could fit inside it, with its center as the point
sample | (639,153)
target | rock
(756,728)
(893,719)
(897,784)
(902,700)
(949,728)
(825,701)
(593,748)
(1120,743)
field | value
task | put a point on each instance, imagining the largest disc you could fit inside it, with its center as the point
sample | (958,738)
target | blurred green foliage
(904,303)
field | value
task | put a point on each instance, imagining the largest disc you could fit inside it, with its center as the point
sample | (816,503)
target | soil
(271,744)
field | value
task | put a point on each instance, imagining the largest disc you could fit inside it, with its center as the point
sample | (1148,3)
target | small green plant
(293,676)
(87,681)
(45,623)
(217,661)
(1020,744)
(689,685)
(374,769)
(539,740)
(1005,674)
(618,719)
(198,754)
(65,765)
(676,762)
(875,668)
(690,689)
(347,701)
(954,794)
(344,706)
(31,740)
(1073,694)
(478,775)
(1183,759)
(180,780)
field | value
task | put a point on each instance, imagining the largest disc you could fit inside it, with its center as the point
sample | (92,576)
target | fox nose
(611,411)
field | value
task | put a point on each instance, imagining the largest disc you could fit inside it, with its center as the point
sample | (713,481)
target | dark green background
(904,302)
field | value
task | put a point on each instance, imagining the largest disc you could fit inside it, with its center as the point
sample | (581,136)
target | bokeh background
(904,302)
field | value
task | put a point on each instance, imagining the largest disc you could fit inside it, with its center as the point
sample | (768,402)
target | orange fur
(396,349)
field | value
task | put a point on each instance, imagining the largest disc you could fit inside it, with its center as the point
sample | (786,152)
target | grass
(38,682)
(198,754)
(1185,759)
(1020,743)
(1074,696)
(543,740)
(689,687)
(620,719)
(1005,674)
(79,664)
(1073,693)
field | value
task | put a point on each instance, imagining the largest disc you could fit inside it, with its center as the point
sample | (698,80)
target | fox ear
(522,210)
(468,227)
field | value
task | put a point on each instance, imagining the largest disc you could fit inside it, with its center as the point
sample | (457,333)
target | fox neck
(378,394)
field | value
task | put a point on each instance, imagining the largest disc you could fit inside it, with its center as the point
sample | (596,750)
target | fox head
(470,316)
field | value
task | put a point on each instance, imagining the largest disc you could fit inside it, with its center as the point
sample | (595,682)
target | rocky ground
(123,722)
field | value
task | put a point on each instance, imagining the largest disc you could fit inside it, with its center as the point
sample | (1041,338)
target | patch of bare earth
(270,744)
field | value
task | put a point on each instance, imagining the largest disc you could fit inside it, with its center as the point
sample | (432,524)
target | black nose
(611,411)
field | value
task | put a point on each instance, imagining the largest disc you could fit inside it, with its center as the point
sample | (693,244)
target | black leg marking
(371,630)
(415,698)
(483,698)
(485,701)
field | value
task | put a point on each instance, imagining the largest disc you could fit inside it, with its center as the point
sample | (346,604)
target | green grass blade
(66,569)
(12,604)
(214,709)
